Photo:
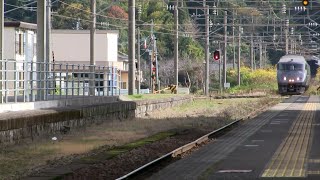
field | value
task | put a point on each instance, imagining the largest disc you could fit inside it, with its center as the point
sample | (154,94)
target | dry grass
(202,114)
(149,96)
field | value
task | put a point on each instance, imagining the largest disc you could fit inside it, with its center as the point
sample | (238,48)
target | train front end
(292,78)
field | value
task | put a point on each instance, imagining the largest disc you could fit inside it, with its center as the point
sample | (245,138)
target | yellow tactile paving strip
(290,158)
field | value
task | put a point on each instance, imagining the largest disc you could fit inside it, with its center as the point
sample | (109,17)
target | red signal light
(216,55)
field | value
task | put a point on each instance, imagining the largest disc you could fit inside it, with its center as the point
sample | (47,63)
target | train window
(290,67)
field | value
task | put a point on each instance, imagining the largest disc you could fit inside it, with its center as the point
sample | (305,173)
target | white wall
(74,46)
(112,46)
(9,43)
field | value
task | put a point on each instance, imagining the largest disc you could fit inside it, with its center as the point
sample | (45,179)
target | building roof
(20,24)
(72,31)
(292,58)
(122,57)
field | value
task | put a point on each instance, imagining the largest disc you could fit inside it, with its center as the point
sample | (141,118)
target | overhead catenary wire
(199,35)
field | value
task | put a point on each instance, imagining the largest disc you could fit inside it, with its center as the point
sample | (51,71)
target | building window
(124,85)
(21,79)
(17,45)
(125,66)
(21,44)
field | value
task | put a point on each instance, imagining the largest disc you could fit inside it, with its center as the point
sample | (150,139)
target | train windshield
(290,67)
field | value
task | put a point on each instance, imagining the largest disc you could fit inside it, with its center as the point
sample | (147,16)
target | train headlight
(284,78)
(298,79)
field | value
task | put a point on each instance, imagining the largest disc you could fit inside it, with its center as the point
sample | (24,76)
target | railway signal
(305,2)
(154,70)
(216,55)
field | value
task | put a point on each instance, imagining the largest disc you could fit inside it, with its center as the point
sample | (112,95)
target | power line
(97,14)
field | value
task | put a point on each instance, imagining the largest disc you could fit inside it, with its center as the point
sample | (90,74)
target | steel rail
(180,150)
(189,146)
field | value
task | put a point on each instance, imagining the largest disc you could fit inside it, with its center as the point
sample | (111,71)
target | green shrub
(260,79)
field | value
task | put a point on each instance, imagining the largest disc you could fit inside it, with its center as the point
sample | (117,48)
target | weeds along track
(157,164)
(312,88)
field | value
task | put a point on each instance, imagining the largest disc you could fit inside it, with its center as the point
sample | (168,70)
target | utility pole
(251,47)
(254,60)
(239,53)
(157,85)
(206,48)
(131,55)
(176,43)
(41,51)
(233,45)
(286,29)
(92,47)
(220,79)
(1,45)
(151,57)
(287,41)
(48,43)
(260,53)
(225,50)
(138,51)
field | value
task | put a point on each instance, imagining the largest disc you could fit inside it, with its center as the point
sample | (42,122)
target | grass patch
(209,108)
(127,147)
(150,96)
(15,160)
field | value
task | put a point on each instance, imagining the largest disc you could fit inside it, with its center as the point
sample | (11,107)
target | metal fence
(31,81)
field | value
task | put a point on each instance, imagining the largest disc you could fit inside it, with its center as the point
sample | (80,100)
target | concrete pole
(251,51)
(138,52)
(131,36)
(265,55)
(176,43)
(41,47)
(233,45)
(220,78)
(287,40)
(1,45)
(151,57)
(92,47)
(48,43)
(254,60)
(157,87)
(138,68)
(251,46)
(239,55)
(225,50)
(48,31)
(260,53)
(207,49)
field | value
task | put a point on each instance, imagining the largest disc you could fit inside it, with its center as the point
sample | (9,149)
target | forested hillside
(113,15)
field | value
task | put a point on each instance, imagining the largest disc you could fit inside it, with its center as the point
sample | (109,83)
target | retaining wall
(76,101)
(14,129)
(143,107)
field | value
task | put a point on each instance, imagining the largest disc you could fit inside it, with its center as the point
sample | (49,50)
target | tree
(26,13)
(68,15)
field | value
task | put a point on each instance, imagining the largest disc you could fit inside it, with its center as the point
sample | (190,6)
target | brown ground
(127,162)
(189,123)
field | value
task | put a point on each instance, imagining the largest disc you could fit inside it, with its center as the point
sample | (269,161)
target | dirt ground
(188,122)
(201,121)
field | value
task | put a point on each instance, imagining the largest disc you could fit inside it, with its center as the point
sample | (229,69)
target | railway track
(186,148)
